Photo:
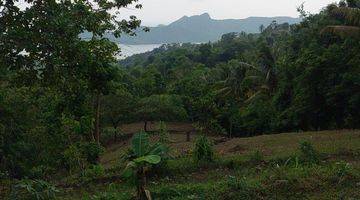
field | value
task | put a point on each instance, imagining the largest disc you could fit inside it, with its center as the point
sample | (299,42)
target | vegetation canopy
(279,107)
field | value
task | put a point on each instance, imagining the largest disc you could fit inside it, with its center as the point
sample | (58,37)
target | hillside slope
(270,145)
(201,28)
(262,167)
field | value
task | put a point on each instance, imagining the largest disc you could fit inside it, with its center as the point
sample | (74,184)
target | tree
(119,107)
(261,28)
(42,43)
(42,48)
(349,12)
(161,108)
(232,86)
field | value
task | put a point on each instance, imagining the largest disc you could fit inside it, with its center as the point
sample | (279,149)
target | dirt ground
(268,145)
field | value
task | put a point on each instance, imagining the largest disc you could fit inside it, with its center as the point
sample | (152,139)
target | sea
(129,50)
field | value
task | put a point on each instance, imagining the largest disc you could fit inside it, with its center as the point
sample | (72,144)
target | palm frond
(250,66)
(254,96)
(222,91)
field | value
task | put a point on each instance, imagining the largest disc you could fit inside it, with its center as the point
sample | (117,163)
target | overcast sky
(157,12)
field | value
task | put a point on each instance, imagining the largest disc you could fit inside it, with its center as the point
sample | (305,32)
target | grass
(244,180)
(263,167)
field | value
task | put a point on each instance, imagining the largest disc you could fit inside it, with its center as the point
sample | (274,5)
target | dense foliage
(57,91)
(288,78)
(52,82)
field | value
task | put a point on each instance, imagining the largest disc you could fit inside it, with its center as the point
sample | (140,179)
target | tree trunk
(97,118)
(188,136)
(231,130)
(115,135)
(141,194)
(145,126)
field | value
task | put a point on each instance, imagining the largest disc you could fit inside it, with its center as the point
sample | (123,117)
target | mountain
(200,28)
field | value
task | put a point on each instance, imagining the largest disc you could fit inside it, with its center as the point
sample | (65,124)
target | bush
(213,126)
(256,157)
(203,150)
(92,152)
(93,172)
(41,171)
(34,189)
(308,153)
(163,133)
(80,155)
(342,171)
(74,158)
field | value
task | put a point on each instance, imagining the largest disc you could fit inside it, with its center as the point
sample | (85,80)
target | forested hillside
(288,78)
(66,105)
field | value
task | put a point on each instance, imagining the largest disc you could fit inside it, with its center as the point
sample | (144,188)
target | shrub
(93,172)
(41,171)
(163,133)
(308,153)
(203,150)
(74,158)
(34,189)
(213,126)
(143,156)
(256,157)
(92,152)
(342,170)
(80,155)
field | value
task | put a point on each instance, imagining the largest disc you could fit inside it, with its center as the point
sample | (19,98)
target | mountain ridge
(199,29)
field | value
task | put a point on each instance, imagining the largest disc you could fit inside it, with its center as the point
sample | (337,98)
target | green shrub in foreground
(145,155)
(308,153)
(203,150)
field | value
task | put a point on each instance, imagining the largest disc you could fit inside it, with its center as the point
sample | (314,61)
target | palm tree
(232,86)
(264,78)
(348,11)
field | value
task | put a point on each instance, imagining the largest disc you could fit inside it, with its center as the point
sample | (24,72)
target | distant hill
(200,28)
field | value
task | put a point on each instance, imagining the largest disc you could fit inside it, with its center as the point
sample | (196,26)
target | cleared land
(277,171)
(279,145)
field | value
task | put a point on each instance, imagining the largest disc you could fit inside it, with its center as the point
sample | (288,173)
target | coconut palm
(232,86)
(263,76)
(238,74)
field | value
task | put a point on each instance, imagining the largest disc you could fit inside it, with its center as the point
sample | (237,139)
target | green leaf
(151,159)
(158,149)
(140,144)
(129,170)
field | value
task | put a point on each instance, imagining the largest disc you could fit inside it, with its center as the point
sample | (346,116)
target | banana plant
(143,155)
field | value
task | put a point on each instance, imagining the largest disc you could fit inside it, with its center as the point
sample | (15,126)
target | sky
(157,12)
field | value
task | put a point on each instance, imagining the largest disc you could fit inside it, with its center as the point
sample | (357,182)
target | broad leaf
(140,144)
(151,159)
(158,149)
(129,170)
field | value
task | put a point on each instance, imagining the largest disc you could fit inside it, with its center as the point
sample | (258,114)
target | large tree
(161,108)
(42,43)
(118,107)
(42,50)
